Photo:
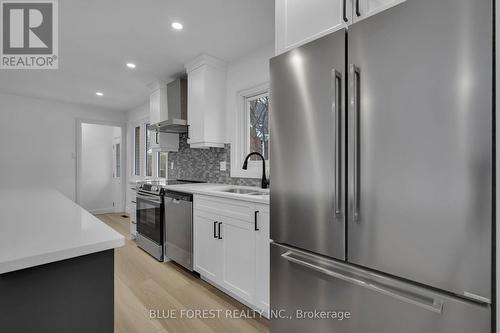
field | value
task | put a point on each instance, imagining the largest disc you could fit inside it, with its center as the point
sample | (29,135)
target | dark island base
(74,295)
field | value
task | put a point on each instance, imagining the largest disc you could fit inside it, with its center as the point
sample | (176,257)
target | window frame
(145,148)
(158,161)
(135,172)
(241,133)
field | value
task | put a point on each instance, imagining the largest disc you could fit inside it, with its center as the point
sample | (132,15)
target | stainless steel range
(150,219)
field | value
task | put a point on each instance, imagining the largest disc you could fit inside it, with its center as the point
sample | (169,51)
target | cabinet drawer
(225,207)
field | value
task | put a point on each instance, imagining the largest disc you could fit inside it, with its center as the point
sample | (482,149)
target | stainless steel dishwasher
(179,227)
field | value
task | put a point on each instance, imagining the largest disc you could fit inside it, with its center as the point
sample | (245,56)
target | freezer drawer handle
(433,305)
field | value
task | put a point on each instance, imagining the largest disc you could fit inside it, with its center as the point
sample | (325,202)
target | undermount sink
(245,191)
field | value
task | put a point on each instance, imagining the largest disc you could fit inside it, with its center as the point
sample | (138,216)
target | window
(251,132)
(149,152)
(162,158)
(137,151)
(257,108)
(117,160)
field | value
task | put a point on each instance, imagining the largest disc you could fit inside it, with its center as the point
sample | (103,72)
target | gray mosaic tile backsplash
(204,164)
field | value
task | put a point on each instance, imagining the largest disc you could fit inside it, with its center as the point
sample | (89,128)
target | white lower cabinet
(133,212)
(238,258)
(207,246)
(262,248)
(232,251)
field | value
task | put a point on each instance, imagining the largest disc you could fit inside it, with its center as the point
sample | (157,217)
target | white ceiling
(98,37)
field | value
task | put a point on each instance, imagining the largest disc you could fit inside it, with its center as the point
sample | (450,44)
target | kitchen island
(56,264)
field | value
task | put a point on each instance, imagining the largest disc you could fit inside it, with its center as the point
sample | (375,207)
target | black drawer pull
(256,214)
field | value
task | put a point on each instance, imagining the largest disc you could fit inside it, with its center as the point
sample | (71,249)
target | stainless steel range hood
(177,109)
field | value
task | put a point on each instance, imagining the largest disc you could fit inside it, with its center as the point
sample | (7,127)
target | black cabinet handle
(215,229)
(358,12)
(346,19)
(157,137)
(256,214)
(220,237)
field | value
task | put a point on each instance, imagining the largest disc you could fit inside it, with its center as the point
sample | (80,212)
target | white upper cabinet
(300,21)
(158,104)
(206,102)
(365,8)
(164,141)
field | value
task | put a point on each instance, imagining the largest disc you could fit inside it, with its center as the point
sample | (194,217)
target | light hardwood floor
(143,284)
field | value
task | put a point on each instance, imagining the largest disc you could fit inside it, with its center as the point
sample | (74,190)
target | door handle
(358,10)
(337,115)
(215,229)
(219,236)
(356,111)
(408,296)
(256,214)
(346,19)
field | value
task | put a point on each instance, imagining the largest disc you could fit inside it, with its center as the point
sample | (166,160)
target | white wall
(242,74)
(38,141)
(98,192)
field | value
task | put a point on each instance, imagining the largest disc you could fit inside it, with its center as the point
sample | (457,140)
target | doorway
(100,155)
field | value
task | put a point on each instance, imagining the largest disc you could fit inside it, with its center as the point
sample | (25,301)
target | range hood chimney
(174,120)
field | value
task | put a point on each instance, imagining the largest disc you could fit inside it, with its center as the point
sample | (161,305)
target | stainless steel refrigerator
(382,164)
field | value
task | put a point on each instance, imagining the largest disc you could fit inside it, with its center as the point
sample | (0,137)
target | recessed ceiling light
(99,94)
(177,26)
(130,65)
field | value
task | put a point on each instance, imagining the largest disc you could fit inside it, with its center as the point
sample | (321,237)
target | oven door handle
(149,198)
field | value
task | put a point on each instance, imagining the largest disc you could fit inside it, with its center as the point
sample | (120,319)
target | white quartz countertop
(215,190)
(40,226)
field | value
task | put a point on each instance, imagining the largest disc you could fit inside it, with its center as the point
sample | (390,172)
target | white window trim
(240,143)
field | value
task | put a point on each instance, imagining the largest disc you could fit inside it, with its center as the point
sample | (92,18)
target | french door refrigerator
(381,200)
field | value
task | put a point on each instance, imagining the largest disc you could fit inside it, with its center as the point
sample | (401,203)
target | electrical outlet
(223,166)
(171,165)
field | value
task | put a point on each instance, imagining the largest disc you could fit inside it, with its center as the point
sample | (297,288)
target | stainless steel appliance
(176,122)
(150,219)
(381,202)
(179,227)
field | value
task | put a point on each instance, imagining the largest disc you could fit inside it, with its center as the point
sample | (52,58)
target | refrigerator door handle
(355,109)
(358,11)
(337,110)
(344,5)
(422,301)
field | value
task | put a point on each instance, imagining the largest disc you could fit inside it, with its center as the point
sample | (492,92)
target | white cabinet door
(300,21)
(164,141)
(154,107)
(262,255)
(196,96)
(365,8)
(206,102)
(206,246)
(238,258)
